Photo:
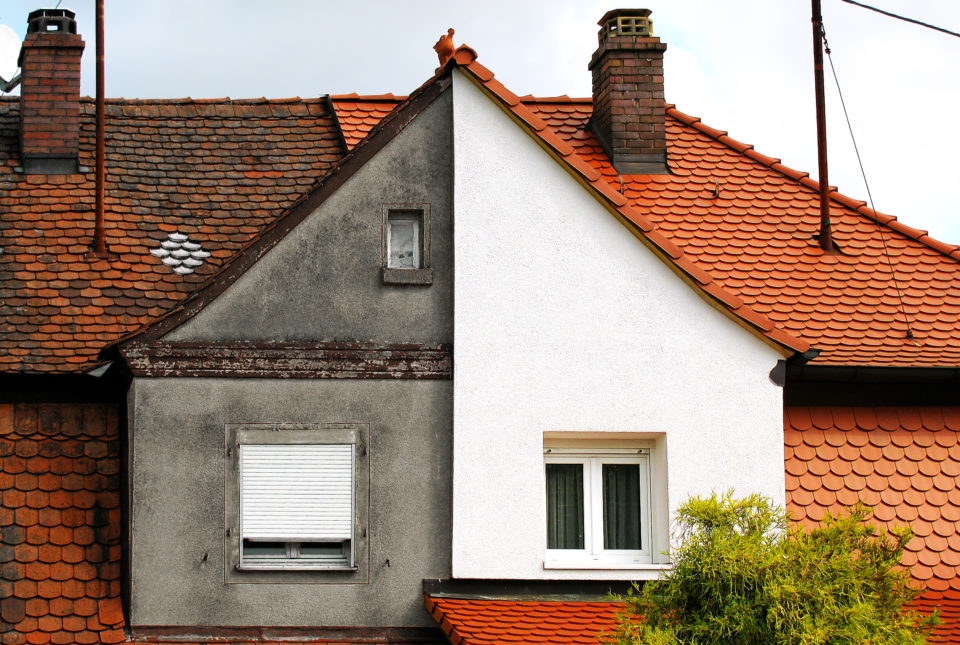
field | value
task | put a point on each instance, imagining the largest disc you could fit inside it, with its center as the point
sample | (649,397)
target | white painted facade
(566,325)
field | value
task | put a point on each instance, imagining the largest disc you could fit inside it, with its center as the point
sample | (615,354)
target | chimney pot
(52,20)
(628,107)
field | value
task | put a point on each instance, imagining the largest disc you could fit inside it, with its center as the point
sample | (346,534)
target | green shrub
(742,575)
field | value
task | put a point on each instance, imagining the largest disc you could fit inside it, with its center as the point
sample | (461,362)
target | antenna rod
(99,243)
(825,237)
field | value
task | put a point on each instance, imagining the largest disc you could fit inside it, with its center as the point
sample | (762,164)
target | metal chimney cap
(52,20)
(626,22)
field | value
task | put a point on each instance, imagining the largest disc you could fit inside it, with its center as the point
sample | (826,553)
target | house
(438,367)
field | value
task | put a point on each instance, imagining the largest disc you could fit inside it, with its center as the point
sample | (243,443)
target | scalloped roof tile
(359,115)
(474,621)
(524,622)
(903,461)
(217,170)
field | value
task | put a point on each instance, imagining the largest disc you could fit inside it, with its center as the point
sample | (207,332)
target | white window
(404,241)
(598,507)
(296,502)
(296,506)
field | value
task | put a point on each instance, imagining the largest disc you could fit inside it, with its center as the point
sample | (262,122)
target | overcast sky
(744,66)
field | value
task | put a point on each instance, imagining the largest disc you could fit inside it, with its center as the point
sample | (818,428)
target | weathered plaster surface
(178,484)
(564,321)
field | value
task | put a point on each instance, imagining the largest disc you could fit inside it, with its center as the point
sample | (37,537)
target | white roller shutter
(296,493)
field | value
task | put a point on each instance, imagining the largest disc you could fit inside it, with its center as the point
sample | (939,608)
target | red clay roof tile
(479,622)
(554,622)
(905,470)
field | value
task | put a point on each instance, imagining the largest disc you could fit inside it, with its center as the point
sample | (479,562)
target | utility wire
(863,173)
(904,18)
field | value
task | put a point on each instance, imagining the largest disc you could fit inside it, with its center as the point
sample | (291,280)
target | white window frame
(593,555)
(292,556)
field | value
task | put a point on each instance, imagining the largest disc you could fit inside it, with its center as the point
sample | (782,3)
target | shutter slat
(296,492)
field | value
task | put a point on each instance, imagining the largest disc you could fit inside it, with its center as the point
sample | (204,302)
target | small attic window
(406,245)
(404,240)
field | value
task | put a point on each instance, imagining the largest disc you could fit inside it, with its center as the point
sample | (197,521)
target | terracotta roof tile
(60,546)
(477,622)
(554,622)
(896,464)
(358,115)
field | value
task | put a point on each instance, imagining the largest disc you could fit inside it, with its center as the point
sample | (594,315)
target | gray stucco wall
(178,490)
(322,282)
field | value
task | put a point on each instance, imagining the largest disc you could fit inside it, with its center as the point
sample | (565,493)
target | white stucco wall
(564,321)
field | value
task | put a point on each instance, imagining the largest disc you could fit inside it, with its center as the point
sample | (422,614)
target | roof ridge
(353,96)
(560,98)
(466,58)
(187,100)
(858,206)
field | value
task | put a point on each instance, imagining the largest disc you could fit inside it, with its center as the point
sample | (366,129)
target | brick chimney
(50,93)
(628,106)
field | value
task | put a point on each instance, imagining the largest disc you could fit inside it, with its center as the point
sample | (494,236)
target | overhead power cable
(904,18)
(863,173)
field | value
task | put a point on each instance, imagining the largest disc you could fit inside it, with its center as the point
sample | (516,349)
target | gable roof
(890,298)
(641,226)
(735,224)
(218,171)
(224,172)
(372,141)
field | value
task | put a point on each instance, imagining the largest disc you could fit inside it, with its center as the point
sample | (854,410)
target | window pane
(404,243)
(264,549)
(564,506)
(621,506)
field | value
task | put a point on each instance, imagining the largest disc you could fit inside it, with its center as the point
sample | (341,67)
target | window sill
(408,276)
(600,565)
(278,566)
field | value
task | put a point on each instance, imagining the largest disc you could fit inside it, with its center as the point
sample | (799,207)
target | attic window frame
(421,275)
